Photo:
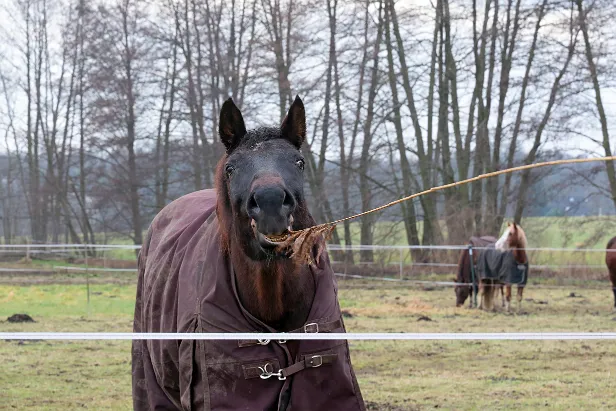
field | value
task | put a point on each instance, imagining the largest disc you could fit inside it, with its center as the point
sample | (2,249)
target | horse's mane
(521,237)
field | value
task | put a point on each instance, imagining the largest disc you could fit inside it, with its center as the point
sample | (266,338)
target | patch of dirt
(532,300)
(347,314)
(20,318)
(374,406)
(574,295)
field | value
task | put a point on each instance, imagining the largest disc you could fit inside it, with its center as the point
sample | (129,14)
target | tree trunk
(367,222)
(408,208)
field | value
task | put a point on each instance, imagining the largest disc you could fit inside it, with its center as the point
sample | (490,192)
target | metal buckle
(265,373)
(282,341)
(263,342)
(314,364)
(314,326)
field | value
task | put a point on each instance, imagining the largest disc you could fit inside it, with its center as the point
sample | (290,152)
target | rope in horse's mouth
(301,242)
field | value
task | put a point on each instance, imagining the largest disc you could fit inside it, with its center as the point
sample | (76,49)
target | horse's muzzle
(270,209)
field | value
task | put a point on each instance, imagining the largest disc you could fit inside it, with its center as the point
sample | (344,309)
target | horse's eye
(229,169)
(300,164)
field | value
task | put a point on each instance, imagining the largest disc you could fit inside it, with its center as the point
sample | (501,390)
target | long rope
(470,180)
(301,242)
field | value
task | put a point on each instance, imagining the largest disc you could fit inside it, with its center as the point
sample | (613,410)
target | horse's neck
(519,254)
(275,292)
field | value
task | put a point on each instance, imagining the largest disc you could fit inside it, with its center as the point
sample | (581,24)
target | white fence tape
(333,247)
(312,336)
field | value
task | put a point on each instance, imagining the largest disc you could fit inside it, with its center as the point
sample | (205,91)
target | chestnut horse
(610,261)
(512,240)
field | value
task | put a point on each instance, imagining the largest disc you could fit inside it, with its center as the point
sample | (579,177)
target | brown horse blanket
(497,265)
(186,284)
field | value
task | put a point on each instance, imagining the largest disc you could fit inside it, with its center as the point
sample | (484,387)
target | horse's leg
(520,293)
(486,295)
(492,291)
(502,291)
(481,293)
(508,296)
(614,291)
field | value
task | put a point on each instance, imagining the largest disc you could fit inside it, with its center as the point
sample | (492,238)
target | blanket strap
(308,328)
(309,361)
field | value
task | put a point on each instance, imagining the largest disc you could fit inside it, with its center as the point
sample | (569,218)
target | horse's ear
(508,223)
(231,126)
(294,124)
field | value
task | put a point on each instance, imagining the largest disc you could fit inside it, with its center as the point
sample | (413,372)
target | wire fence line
(402,276)
(265,338)
(454,283)
(342,275)
(332,247)
(96,269)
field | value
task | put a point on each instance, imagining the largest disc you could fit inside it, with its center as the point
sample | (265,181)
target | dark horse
(610,261)
(211,262)
(513,240)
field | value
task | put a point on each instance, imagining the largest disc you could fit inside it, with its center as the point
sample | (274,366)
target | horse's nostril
(253,207)
(288,200)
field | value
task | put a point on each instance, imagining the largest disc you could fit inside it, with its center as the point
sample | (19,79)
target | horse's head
(260,181)
(513,238)
(462,292)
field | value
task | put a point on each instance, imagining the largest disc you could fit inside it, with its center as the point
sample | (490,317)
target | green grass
(53,300)
(456,375)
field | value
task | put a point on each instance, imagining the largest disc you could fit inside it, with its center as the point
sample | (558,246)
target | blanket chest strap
(312,327)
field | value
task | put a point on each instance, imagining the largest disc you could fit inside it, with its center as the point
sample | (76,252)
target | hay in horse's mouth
(278,238)
(297,244)
(301,243)
(270,240)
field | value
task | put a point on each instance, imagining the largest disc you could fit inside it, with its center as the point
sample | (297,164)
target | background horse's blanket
(186,284)
(497,265)
(483,242)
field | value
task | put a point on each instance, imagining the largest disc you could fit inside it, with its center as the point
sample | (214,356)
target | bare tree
(592,68)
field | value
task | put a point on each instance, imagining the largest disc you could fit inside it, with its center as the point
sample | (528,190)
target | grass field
(394,375)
